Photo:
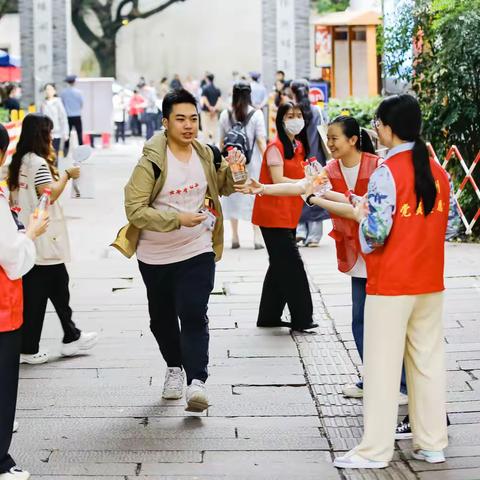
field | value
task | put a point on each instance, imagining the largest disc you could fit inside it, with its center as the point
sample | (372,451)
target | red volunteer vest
(411,261)
(280,212)
(11,303)
(345,232)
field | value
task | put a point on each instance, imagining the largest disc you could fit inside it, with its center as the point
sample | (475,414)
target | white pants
(409,328)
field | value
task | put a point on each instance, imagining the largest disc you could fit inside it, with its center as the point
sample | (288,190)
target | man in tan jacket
(172,198)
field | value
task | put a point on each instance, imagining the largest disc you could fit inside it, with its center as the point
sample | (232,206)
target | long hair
(403,115)
(282,134)
(4,140)
(300,89)
(34,138)
(350,128)
(241,100)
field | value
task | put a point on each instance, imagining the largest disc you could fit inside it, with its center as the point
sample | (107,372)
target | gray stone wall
(26,45)
(61,23)
(302,39)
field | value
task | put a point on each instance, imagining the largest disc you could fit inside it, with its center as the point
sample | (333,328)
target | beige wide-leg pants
(409,328)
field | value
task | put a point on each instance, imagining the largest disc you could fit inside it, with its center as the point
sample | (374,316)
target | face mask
(294,126)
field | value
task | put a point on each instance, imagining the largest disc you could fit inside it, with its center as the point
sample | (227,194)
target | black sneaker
(404,431)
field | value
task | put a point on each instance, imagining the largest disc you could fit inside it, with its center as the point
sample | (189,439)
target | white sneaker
(429,456)
(173,385)
(85,342)
(15,426)
(197,400)
(352,460)
(34,359)
(352,391)
(15,473)
(403,399)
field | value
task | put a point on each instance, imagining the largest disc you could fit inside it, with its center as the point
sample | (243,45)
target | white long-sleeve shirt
(17,251)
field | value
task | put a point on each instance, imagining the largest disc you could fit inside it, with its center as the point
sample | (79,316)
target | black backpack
(237,137)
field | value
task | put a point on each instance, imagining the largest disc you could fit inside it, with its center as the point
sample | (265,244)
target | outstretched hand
(361,210)
(252,187)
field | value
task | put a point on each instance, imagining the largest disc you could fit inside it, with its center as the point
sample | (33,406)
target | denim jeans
(176,291)
(310,232)
(150,122)
(358,322)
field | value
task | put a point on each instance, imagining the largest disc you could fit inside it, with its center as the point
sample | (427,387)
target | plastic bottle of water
(321,183)
(43,204)
(239,172)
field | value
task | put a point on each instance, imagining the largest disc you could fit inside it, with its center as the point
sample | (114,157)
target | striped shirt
(43,176)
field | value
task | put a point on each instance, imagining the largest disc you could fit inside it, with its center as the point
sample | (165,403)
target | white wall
(187,38)
(10,33)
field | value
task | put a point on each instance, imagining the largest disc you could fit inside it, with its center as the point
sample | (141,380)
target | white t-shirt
(351,175)
(184,191)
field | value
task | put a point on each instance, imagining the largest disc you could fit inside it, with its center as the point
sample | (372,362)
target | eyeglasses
(375,123)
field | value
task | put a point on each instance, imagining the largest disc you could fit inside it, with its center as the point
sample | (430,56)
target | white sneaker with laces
(197,400)
(352,460)
(86,341)
(35,358)
(429,456)
(173,385)
(15,426)
(15,473)
(403,399)
(352,391)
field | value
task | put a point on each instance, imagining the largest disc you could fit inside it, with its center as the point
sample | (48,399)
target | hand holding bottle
(73,172)
(236,160)
(37,225)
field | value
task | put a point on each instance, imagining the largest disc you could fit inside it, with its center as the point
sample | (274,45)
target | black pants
(9,363)
(74,123)
(41,283)
(120,131)
(135,126)
(181,290)
(286,281)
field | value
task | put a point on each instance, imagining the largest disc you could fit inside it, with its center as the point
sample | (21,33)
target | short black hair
(211,77)
(174,97)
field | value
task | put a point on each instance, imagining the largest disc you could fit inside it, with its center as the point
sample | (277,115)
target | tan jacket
(142,189)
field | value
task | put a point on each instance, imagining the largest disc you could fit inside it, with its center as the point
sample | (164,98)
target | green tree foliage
(98,22)
(362,109)
(441,36)
(326,6)
(8,6)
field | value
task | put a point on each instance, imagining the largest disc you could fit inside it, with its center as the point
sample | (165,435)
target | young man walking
(72,99)
(173,198)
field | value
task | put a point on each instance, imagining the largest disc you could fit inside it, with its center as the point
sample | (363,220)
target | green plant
(362,109)
(444,73)
(4,115)
(326,6)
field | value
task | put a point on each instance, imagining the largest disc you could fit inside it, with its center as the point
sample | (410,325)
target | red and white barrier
(14,129)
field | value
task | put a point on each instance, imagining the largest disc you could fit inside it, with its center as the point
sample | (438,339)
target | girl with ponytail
(402,233)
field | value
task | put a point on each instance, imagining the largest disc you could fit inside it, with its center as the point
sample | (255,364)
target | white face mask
(294,125)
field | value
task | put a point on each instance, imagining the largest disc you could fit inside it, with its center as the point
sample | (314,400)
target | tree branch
(134,15)
(78,11)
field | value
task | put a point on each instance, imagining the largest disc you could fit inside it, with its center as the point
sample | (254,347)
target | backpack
(237,137)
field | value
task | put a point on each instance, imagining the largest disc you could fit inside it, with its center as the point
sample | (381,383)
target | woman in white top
(17,256)
(53,107)
(29,174)
(239,207)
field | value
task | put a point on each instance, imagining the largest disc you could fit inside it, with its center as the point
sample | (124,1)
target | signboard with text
(286,37)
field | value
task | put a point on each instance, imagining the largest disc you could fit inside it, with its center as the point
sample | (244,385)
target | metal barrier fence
(454,153)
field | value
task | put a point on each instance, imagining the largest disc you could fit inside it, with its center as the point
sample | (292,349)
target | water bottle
(239,172)
(43,204)
(321,183)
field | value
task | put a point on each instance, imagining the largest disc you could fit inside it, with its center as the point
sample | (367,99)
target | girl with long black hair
(17,256)
(403,232)
(30,173)
(286,281)
(237,207)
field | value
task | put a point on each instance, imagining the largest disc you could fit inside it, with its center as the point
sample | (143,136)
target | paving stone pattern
(276,406)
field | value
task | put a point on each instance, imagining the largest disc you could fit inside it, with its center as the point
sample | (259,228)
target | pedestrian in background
(11,100)
(136,109)
(286,281)
(211,105)
(150,104)
(17,257)
(310,227)
(119,115)
(29,174)
(72,99)
(251,123)
(411,209)
(53,108)
(171,188)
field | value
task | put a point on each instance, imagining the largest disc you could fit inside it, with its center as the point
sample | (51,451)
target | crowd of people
(390,219)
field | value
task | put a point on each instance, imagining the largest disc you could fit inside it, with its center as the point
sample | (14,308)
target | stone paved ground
(276,412)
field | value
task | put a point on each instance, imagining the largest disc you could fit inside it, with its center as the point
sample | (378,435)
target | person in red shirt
(17,256)
(402,231)
(136,108)
(286,281)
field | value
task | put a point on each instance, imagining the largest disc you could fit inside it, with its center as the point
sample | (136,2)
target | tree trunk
(105,53)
